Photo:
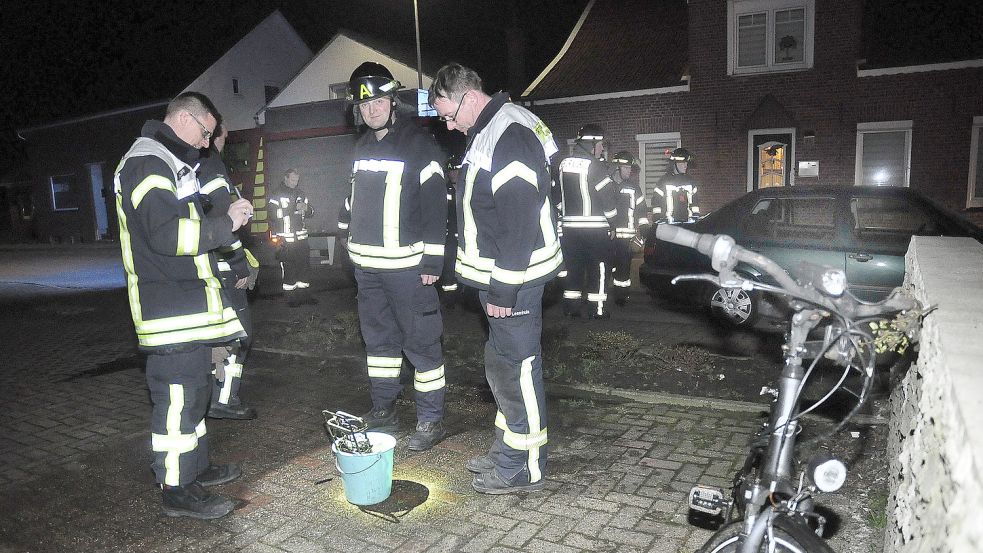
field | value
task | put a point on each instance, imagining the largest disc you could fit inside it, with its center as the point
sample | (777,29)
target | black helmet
(623,157)
(680,154)
(590,133)
(370,81)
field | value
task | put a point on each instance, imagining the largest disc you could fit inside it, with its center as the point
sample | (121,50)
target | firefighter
(631,217)
(290,232)
(396,218)
(449,288)
(588,207)
(508,250)
(176,300)
(676,191)
(238,269)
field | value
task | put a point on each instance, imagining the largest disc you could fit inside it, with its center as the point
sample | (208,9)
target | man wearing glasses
(176,298)
(396,218)
(508,250)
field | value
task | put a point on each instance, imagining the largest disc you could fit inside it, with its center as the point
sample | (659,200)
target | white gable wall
(271,53)
(334,64)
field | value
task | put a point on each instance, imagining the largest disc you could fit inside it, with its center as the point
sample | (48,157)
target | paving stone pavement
(74,459)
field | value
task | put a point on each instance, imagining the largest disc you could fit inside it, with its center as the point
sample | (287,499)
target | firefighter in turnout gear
(508,250)
(238,271)
(291,209)
(675,199)
(632,216)
(176,298)
(588,209)
(449,288)
(396,218)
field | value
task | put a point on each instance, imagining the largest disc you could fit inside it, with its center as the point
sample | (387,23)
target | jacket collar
(163,133)
(489,111)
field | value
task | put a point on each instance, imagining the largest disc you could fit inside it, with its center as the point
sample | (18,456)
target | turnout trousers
(295,264)
(621,263)
(400,316)
(180,386)
(229,371)
(514,369)
(587,253)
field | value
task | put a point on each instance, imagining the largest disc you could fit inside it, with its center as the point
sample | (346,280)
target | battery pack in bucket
(368,477)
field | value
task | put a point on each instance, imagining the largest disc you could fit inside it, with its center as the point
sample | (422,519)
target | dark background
(64,58)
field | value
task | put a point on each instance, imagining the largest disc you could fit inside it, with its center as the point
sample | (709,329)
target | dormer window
(769,35)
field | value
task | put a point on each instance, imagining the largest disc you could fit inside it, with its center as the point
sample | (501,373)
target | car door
(794,229)
(882,228)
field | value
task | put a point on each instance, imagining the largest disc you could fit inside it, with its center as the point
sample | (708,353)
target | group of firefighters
(517,224)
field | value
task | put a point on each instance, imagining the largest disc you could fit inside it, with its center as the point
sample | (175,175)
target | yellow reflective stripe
(430,170)
(526,442)
(200,430)
(233,369)
(250,259)
(377,263)
(537,434)
(180,322)
(643,221)
(386,251)
(343,226)
(174,443)
(604,182)
(383,372)
(148,184)
(621,283)
(572,294)
(188,233)
(507,276)
(384,361)
(429,381)
(513,170)
(433,249)
(611,213)
(215,184)
(212,332)
(543,261)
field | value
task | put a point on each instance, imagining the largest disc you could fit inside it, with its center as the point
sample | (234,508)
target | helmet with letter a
(369,81)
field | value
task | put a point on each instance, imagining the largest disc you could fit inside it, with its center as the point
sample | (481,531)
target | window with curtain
(769,35)
(883,152)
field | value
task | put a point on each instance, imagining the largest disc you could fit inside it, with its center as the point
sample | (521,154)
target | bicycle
(774,508)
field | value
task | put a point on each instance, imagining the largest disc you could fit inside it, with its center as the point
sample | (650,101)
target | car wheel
(735,306)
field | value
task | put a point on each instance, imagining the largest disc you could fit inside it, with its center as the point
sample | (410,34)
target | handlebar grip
(703,243)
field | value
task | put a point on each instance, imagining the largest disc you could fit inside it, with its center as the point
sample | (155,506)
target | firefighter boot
(192,500)
(428,434)
(219,474)
(480,464)
(381,419)
(491,483)
(234,409)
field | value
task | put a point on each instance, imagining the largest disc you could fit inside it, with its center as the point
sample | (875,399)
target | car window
(889,221)
(797,219)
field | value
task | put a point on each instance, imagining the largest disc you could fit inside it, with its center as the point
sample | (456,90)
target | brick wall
(714,116)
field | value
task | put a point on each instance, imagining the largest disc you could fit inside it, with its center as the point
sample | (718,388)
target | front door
(770,159)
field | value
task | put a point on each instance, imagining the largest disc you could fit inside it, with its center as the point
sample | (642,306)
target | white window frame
(338,91)
(51,189)
(882,126)
(737,8)
(644,139)
(750,154)
(975,144)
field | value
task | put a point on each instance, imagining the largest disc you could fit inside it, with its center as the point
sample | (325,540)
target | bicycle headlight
(827,472)
(833,282)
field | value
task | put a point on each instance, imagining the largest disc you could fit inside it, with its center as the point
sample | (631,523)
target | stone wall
(936,444)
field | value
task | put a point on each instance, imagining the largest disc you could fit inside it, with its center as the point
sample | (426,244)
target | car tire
(736,307)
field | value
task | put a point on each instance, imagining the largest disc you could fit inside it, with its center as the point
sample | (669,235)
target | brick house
(777,92)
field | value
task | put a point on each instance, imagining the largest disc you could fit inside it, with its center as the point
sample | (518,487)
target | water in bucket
(368,477)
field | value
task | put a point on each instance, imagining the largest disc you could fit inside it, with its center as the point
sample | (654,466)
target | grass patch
(877,511)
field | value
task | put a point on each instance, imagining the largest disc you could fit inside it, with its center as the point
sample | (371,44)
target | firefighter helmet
(623,157)
(680,154)
(590,133)
(370,81)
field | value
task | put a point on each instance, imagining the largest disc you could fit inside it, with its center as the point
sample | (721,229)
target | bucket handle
(337,466)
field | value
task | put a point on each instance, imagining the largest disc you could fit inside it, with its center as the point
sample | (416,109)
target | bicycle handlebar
(724,255)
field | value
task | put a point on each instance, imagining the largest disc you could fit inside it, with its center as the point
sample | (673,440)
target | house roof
(618,45)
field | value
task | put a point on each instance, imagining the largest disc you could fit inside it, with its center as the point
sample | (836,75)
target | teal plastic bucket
(368,477)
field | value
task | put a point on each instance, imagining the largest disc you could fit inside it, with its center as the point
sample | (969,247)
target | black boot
(233,410)
(192,500)
(428,434)
(219,474)
(381,419)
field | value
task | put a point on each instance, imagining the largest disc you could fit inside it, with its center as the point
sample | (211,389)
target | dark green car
(862,230)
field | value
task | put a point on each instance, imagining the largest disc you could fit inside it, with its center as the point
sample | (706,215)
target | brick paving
(74,459)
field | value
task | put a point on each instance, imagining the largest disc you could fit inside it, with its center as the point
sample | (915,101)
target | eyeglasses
(205,133)
(451,118)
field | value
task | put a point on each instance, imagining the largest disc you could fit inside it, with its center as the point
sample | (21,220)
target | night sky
(67,58)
